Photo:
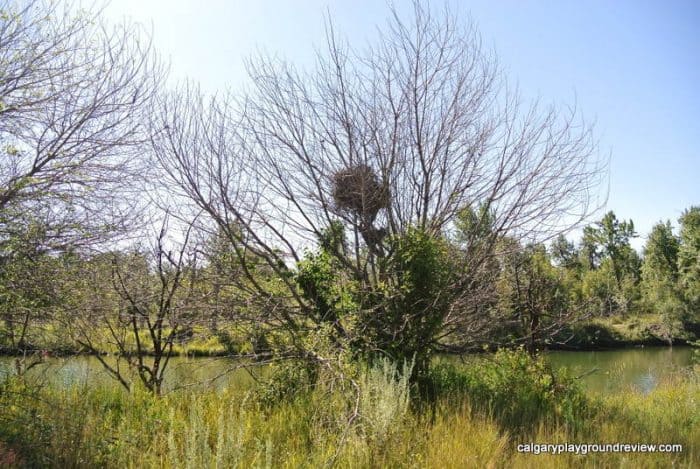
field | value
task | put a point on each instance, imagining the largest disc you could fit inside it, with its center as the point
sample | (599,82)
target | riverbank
(477,417)
(619,332)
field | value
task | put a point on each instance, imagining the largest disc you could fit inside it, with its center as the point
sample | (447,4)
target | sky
(631,67)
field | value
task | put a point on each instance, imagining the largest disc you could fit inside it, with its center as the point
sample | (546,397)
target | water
(640,368)
(181,372)
(601,372)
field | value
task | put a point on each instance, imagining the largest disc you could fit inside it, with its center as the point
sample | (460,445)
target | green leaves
(519,391)
(610,238)
(322,281)
(660,269)
(400,313)
(689,260)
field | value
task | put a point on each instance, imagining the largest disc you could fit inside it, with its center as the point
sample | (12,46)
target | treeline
(381,204)
(623,297)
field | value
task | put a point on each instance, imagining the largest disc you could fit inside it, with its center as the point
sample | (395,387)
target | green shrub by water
(518,391)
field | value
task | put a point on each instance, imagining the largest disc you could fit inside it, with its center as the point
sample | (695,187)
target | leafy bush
(286,381)
(518,391)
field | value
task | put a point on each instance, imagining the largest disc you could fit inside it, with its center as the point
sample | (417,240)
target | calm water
(608,371)
(614,370)
(181,372)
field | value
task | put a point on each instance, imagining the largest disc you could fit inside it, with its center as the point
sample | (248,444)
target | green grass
(471,423)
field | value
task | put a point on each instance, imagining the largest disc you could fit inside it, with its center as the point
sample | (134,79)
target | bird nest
(358,190)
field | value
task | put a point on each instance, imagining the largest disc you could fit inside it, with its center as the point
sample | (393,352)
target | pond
(600,372)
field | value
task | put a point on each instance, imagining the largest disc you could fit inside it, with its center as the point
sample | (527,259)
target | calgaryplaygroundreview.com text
(584,448)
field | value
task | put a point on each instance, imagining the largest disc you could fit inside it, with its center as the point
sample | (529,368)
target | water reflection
(641,369)
(609,371)
(181,372)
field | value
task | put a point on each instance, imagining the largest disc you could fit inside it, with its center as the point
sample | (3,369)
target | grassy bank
(467,417)
(624,331)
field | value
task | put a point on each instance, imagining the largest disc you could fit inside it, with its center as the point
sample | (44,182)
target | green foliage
(612,267)
(421,265)
(599,288)
(514,388)
(533,292)
(474,226)
(611,236)
(413,302)
(400,315)
(689,262)
(660,266)
(322,281)
(661,255)
(286,381)
(564,253)
(659,285)
(333,239)
(610,239)
(326,284)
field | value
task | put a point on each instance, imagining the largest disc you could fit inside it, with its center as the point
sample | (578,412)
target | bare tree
(155,301)
(73,91)
(197,144)
(369,145)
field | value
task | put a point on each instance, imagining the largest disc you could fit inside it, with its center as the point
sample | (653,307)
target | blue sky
(633,67)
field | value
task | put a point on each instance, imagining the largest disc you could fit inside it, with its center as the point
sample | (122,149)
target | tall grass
(519,392)
(468,425)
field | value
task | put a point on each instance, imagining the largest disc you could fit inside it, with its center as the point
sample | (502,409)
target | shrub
(518,391)
(286,381)
(384,399)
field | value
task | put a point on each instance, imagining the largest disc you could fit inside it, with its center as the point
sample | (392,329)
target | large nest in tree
(358,190)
